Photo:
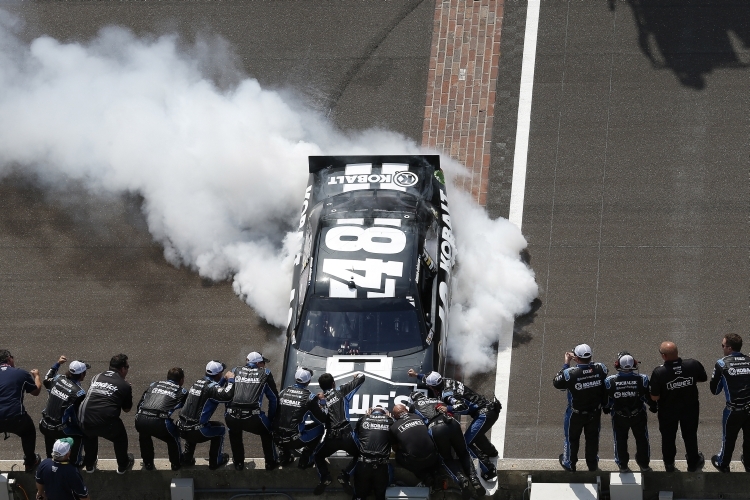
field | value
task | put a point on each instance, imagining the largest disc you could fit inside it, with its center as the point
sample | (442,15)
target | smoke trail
(221,171)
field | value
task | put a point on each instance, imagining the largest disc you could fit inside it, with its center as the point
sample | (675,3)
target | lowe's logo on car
(359,176)
(384,238)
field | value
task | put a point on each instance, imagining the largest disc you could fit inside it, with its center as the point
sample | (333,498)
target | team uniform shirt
(412,436)
(675,382)
(296,405)
(373,436)
(585,385)
(108,394)
(251,383)
(203,398)
(338,403)
(426,408)
(627,392)
(65,397)
(161,399)
(459,398)
(732,374)
(14,384)
(61,481)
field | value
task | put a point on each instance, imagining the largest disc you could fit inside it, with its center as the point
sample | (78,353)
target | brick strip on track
(460,104)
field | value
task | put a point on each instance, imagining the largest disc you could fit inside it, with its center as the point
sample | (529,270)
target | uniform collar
(673,362)
(733,353)
(300,386)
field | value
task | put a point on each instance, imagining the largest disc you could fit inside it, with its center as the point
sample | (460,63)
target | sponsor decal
(626,382)
(157,390)
(375,426)
(59,394)
(738,371)
(590,370)
(679,383)
(405,179)
(290,402)
(247,380)
(626,394)
(409,425)
(587,385)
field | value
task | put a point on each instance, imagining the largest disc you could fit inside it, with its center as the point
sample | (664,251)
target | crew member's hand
(411,372)
(442,408)
(62,360)
(320,395)
(34,372)
(228,375)
(568,357)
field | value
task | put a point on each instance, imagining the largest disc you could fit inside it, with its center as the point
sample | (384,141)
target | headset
(625,353)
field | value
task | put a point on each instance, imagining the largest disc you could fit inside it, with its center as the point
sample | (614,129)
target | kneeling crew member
(338,429)
(373,437)
(57,477)
(447,435)
(732,374)
(296,405)
(415,449)
(195,422)
(461,400)
(59,418)
(14,384)
(628,394)
(99,414)
(586,395)
(245,412)
(154,417)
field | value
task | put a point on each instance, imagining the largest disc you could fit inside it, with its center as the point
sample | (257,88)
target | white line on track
(518,188)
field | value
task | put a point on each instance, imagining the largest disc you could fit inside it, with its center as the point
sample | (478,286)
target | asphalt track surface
(636,204)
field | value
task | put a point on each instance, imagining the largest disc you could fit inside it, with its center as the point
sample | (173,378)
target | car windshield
(372,326)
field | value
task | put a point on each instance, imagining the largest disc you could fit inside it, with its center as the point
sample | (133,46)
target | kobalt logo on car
(405,179)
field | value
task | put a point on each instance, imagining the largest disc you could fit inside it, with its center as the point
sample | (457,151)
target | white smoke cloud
(221,171)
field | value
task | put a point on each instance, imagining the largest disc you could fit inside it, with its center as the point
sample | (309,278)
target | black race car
(371,285)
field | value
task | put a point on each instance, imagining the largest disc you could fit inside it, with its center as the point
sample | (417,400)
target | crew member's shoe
(699,465)
(239,465)
(286,460)
(490,475)
(477,485)
(669,467)
(32,466)
(221,461)
(321,487)
(624,469)
(343,480)
(305,461)
(175,467)
(92,468)
(272,464)
(717,465)
(131,462)
(644,468)
(148,466)
(187,461)
(572,468)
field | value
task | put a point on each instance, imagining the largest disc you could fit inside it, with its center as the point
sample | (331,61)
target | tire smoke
(222,171)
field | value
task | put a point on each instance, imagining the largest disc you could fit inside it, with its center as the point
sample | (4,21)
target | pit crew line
(424,435)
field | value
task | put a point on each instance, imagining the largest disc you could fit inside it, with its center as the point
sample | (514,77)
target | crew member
(415,449)
(460,400)
(195,422)
(628,394)
(732,374)
(245,412)
(338,429)
(447,435)
(14,384)
(674,386)
(99,414)
(57,478)
(297,405)
(586,395)
(153,418)
(59,417)
(373,437)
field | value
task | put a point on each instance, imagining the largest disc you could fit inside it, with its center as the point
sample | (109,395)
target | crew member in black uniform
(195,422)
(245,412)
(14,384)
(338,434)
(153,418)
(586,395)
(296,406)
(415,449)
(732,374)
(59,417)
(372,471)
(460,400)
(628,394)
(99,414)
(447,435)
(674,386)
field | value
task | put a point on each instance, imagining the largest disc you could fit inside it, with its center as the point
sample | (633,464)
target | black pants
(162,429)
(733,421)
(424,468)
(23,427)
(621,426)
(370,478)
(687,420)
(211,431)
(449,439)
(254,424)
(287,448)
(114,432)
(52,435)
(476,434)
(575,424)
(334,441)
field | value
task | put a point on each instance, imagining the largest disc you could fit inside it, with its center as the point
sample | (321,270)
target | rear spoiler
(318,163)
